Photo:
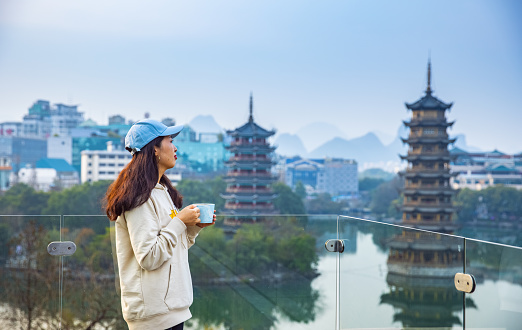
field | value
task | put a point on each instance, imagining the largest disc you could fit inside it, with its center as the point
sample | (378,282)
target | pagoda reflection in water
(422,264)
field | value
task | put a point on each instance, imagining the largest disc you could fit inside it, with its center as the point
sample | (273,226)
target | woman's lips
(175,157)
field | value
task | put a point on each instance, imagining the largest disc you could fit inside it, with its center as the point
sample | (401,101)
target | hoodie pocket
(179,292)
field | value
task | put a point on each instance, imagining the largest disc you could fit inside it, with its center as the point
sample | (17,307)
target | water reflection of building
(421,265)
(423,302)
(249,194)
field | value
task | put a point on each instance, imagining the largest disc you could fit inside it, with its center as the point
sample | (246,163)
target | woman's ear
(156,151)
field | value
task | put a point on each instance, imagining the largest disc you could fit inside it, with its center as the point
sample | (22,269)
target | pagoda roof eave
(249,180)
(425,192)
(416,123)
(428,209)
(251,129)
(427,140)
(265,148)
(429,102)
(246,162)
(425,157)
(427,175)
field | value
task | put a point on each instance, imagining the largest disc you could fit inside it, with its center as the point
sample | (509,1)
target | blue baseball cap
(147,130)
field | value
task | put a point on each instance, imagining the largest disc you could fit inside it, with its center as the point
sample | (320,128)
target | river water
(371,297)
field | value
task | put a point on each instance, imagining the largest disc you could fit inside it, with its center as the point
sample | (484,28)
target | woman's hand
(189,215)
(203,225)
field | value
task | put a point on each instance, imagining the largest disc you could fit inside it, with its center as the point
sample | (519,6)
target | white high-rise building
(107,164)
(60,147)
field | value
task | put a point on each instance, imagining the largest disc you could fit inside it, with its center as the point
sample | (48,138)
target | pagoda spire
(428,90)
(251,118)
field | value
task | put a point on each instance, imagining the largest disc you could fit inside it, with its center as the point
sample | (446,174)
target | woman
(152,233)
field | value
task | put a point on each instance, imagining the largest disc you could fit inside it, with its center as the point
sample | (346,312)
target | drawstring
(182,242)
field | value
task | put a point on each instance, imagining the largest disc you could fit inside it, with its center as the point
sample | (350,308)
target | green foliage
(501,203)
(376,173)
(287,202)
(300,190)
(323,204)
(209,191)
(295,249)
(252,248)
(394,210)
(384,195)
(257,250)
(369,184)
(466,202)
(85,199)
(23,199)
(262,247)
(5,233)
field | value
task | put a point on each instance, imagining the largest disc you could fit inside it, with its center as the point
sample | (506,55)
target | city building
(10,128)
(23,151)
(44,120)
(37,123)
(249,195)
(35,126)
(116,120)
(60,147)
(203,154)
(480,170)
(106,164)
(335,176)
(49,174)
(5,172)
(338,177)
(91,143)
(64,118)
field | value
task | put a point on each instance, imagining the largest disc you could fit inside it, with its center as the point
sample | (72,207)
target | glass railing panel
(30,276)
(91,298)
(272,274)
(398,277)
(497,299)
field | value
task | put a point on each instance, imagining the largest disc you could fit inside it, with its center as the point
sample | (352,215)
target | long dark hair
(135,182)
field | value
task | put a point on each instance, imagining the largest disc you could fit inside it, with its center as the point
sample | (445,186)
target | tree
(368,184)
(209,191)
(501,203)
(287,202)
(23,199)
(84,199)
(466,202)
(323,204)
(29,279)
(384,195)
(300,189)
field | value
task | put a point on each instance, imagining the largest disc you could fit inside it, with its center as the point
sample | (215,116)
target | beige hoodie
(152,249)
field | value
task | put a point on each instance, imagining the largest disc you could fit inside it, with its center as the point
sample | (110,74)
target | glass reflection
(29,295)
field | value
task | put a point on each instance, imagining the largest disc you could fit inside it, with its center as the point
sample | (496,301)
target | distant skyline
(352,64)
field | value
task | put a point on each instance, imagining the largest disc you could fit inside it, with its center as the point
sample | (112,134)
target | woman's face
(166,153)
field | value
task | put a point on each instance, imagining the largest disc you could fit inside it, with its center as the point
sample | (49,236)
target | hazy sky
(349,63)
